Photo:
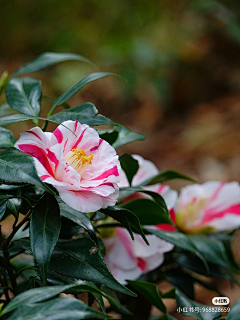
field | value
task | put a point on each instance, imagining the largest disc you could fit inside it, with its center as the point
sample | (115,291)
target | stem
(44,127)
(17,227)
(6,255)
(8,265)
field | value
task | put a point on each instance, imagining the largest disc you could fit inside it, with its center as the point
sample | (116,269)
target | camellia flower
(82,167)
(212,206)
(128,259)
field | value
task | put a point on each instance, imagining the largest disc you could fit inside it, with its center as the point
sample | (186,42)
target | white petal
(81,200)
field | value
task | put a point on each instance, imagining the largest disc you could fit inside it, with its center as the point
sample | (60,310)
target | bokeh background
(181,60)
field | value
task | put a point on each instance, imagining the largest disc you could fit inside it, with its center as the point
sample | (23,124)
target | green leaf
(127,219)
(165,176)
(44,293)
(24,95)
(78,217)
(150,292)
(81,259)
(183,301)
(120,308)
(178,239)
(128,191)
(78,286)
(187,261)
(84,113)
(13,205)
(129,165)
(80,84)
(148,211)
(109,135)
(169,295)
(45,226)
(6,138)
(235,311)
(14,118)
(47,59)
(213,251)
(126,136)
(18,167)
(57,309)
(182,280)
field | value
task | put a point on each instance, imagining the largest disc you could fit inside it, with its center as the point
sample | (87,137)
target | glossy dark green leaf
(178,239)
(183,301)
(187,261)
(182,281)
(109,135)
(148,211)
(18,167)
(33,296)
(78,217)
(6,138)
(212,250)
(227,240)
(78,286)
(81,259)
(80,84)
(47,59)
(234,312)
(166,176)
(150,292)
(14,118)
(169,295)
(129,165)
(113,294)
(45,226)
(13,205)
(57,309)
(44,293)
(84,113)
(126,136)
(128,191)
(126,218)
(24,95)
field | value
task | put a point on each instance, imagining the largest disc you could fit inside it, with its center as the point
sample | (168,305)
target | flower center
(78,160)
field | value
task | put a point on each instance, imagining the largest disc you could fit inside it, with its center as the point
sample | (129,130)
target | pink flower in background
(212,206)
(128,259)
(82,167)
(148,170)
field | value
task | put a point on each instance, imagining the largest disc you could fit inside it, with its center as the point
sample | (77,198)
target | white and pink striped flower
(82,167)
(128,259)
(212,206)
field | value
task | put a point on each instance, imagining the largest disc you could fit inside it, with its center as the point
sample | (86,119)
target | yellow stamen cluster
(78,159)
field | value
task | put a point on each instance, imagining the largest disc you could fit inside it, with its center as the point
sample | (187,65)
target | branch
(17,227)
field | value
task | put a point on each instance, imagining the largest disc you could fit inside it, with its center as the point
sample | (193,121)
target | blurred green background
(181,60)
